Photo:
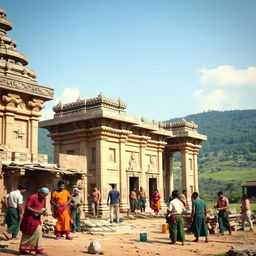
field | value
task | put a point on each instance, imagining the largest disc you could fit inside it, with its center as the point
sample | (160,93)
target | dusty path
(129,245)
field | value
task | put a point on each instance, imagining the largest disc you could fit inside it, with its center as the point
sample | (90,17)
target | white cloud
(216,99)
(229,76)
(68,95)
(225,88)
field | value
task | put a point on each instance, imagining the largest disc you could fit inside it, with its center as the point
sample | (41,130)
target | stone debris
(242,250)
(48,225)
(95,247)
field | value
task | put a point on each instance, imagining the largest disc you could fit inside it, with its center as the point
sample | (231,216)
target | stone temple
(95,141)
(124,150)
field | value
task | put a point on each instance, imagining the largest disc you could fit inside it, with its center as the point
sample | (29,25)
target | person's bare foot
(206,240)
(69,238)
(196,240)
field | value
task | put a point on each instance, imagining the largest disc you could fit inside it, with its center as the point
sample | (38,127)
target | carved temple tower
(21,102)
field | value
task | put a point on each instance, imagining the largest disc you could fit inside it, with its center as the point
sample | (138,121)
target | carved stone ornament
(132,163)
(36,104)
(151,165)
(12,100)
(41,91)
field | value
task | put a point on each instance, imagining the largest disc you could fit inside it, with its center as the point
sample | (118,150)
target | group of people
(66,208)
(199,216)
(67,212)
(138,198)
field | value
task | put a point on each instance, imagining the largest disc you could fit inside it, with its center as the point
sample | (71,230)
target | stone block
(75,162)
(39,158)
(242,250)
(5,157)
(20,157)
(42,158)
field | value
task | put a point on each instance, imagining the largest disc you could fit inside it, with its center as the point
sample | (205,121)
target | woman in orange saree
(60,200)
(156,202)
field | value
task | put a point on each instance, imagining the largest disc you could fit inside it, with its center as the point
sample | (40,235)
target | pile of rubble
(48,224)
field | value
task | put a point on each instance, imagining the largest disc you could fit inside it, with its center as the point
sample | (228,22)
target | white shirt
(15,198)
(176,207)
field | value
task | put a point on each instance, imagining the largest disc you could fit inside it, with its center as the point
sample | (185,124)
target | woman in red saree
(30,226)
(156,202)
(60,200)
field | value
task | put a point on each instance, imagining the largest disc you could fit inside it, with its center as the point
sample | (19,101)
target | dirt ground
(129,244)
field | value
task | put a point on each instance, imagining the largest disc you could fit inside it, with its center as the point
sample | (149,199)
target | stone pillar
(196,187)
(160,176)
(143,166)
(123,177)
(34,136)
(83,150)
(186,179)
(169,173)
(8,128)
(101,173)
(57,151)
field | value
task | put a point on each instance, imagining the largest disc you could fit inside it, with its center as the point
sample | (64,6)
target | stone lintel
(27,88)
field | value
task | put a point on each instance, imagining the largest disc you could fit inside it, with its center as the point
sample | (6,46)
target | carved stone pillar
(9,129)
(34,136)
(169,174)
(143,166)
(196,187)
(160,176)
(123,177)
(101,173)
(57,151)
(187,174)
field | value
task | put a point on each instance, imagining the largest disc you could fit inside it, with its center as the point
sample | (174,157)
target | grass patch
(231,173)
(210,205)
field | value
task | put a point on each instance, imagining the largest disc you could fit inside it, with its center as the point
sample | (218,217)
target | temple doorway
(152,187)
(133,183)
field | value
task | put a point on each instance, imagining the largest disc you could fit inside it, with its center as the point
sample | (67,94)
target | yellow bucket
(165,228)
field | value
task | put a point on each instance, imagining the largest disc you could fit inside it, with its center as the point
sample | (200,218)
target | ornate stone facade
(124,150)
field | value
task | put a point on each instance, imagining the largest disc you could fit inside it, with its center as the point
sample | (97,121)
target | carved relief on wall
(20,134)
(21,157)
(5,156)
(133,162)
(27,88)
(151,163)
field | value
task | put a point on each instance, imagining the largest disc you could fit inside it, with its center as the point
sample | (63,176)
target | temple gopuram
(21,102)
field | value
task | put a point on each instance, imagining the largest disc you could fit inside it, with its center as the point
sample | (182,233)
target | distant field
(210,205)
(231,173)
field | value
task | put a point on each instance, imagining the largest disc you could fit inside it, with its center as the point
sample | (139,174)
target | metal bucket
(143,237)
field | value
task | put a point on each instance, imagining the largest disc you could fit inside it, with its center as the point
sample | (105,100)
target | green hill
(45,145)
(229,155)
(225,160)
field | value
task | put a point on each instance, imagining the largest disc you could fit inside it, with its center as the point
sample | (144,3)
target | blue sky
(164,58)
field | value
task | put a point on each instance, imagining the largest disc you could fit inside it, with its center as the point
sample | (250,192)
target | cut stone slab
(4,244)
(242,250)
